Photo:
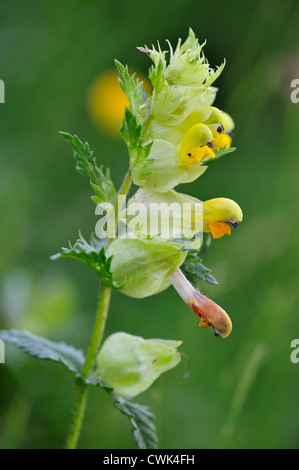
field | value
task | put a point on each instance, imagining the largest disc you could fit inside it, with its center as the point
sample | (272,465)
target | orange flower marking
(218,229)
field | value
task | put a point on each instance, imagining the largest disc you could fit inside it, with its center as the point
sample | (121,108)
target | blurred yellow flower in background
(106,102)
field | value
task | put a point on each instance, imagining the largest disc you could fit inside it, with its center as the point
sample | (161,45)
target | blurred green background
(242,392)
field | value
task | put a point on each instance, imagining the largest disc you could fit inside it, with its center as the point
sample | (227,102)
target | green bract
(143,266)
(164,173)
(130,364)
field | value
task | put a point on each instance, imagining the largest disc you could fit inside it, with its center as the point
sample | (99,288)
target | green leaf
(93,255)
(42,348)
(86,165)
(138,147)
(132,88)
(104,189)
(141,419)
(140,416)
(193,267)
(131,127)
(97,381)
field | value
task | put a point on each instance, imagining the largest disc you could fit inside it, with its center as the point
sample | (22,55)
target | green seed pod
(130,364)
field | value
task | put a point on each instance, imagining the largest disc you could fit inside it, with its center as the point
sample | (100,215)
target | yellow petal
(221,209)
(221,140)
(197,155)
(193,147)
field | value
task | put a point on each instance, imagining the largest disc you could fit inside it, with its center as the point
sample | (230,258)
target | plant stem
(81,387)
(98,330)
(93,348)
(123,191)
(78,414)
(126,184)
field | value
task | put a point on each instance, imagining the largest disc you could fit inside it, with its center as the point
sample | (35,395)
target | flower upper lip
(220,212)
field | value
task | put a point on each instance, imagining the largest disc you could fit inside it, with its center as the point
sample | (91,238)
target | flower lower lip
(203,323)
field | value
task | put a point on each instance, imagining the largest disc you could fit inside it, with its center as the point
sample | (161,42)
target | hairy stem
(81,386)
(98,330)
(93,348)
(78,414)
(123,191)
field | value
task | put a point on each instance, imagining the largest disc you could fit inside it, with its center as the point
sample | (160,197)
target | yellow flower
(221,139)
(106,102)
(197,154)
(196,145)
(218,213)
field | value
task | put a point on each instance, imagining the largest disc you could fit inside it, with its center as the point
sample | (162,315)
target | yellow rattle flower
(218,213)
(196,145)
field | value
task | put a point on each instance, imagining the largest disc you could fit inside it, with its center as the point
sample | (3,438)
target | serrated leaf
(140,416)
(43,348)
(132,88)
(93,255)
(193,267)
(138,147)
(86,165)
(131,126)
(141,419)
